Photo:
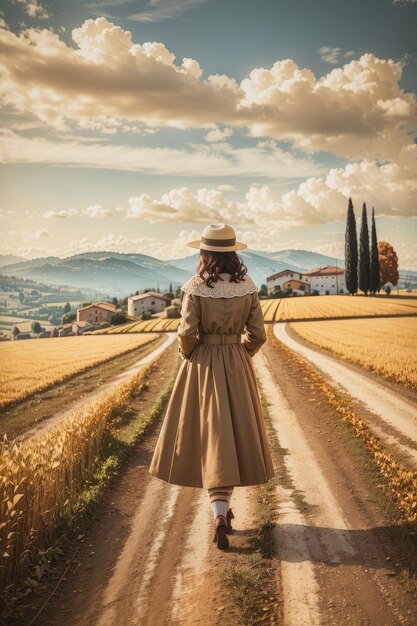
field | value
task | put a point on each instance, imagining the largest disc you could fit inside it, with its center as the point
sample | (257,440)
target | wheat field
(160,324)
(386,346)
(42,477)
(34,365)
(307,307)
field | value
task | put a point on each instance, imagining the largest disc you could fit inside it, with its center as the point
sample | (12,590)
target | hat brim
(203,246)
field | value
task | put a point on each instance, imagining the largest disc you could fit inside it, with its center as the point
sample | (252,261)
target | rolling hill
(111,271)
(124,273)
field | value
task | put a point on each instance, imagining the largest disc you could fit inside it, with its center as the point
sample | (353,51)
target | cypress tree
(351,251)
(374,278)
(364,262)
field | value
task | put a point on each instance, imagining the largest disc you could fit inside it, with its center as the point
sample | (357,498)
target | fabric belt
(222,339)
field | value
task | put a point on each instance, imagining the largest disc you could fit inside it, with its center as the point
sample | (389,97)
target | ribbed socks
(220,498)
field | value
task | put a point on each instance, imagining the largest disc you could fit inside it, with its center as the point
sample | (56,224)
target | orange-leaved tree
(388,263)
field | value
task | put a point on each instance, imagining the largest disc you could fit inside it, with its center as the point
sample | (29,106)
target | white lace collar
(220,289)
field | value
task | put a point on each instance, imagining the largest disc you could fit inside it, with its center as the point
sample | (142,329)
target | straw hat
(219,238)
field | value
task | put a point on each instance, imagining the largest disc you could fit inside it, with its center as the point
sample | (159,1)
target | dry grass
(308,307)
(386,346)
(41,478)
(34,365)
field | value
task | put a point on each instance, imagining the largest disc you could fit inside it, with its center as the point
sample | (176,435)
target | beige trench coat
(213,433)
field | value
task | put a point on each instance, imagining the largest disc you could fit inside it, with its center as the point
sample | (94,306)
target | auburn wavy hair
(214,263)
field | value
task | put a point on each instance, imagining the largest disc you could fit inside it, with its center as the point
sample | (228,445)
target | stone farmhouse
(329,279)
(96,312)
(288,278)
(78,328)
(150,301)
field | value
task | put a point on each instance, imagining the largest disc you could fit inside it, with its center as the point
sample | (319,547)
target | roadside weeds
(127,426)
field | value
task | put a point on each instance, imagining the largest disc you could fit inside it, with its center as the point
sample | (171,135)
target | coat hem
(201,486)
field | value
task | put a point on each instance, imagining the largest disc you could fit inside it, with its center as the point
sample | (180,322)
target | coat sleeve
(255,329)
(187,331)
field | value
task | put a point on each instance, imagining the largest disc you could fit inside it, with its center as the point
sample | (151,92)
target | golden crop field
(270,308)
(287,309)
(386,346)
(24,324)
(41,477)
(37,364)
(307,307)
(142,326)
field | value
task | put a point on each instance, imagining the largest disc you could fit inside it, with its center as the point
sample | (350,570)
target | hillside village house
(96,312)
(65,330)
(288,278)
(150,301)
(172,311)
(329,278)
(78,328)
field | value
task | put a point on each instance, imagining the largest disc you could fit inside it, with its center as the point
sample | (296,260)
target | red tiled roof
(148,294)
(106,306)
(328,270)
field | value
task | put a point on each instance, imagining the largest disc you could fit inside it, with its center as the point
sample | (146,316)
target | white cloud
(27,252)
(403,2)
(157,10)
(160,248)
(183,205)
(97,211)
(330,55)
(199,160)
(218,135)
(62,214)
(33,8)
(227,187)
(108,82)
(39,234)
(390,187)
(344,107)
(334,55)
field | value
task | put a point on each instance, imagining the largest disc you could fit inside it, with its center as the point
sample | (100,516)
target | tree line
(367,266)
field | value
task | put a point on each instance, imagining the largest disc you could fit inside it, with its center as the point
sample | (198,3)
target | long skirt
(214,431)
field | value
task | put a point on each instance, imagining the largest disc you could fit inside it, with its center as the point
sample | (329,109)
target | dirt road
(148,557)
(336,558)
(394,410)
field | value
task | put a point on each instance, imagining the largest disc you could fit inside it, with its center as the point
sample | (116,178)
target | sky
(129,125)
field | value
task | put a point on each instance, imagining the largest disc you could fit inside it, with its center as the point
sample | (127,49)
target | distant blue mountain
(303,260)
(121,274)
(262,264)
(7,259)
(115,272)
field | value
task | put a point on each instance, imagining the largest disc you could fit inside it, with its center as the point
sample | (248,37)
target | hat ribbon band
(218,242)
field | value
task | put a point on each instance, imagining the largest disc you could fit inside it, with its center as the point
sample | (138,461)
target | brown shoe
(229,517)
(220,529)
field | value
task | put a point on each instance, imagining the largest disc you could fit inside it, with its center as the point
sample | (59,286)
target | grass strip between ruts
(251,583)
